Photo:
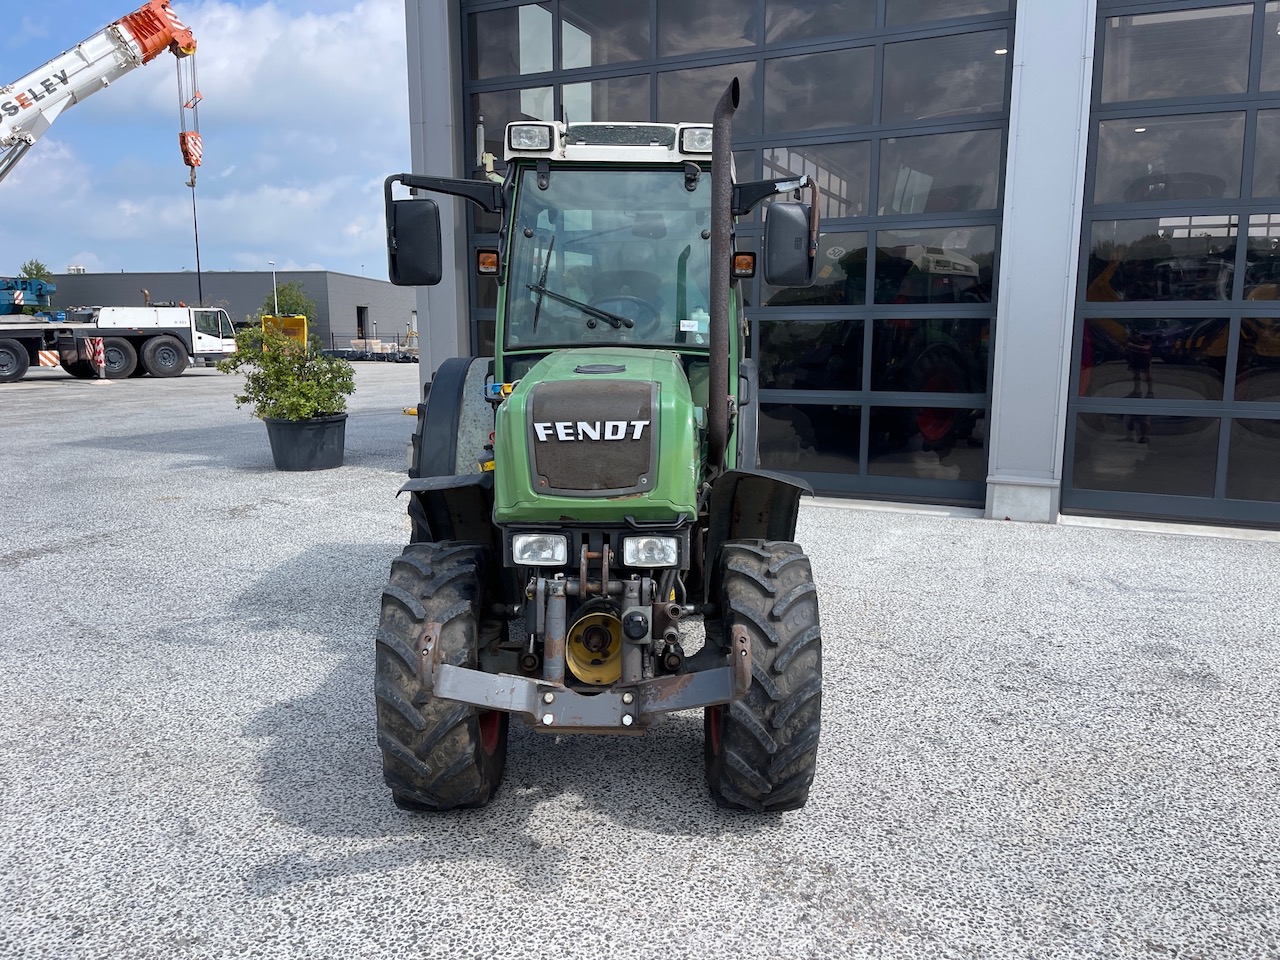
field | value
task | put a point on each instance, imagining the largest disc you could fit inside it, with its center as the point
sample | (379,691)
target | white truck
(159,340)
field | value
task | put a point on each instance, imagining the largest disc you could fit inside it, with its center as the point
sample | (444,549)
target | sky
(305,113)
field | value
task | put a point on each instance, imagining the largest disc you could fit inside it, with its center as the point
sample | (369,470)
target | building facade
(1048,273)
(347,307)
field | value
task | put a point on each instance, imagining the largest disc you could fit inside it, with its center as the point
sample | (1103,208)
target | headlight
(529,136)
(650,551)
(695,140)
(540,549)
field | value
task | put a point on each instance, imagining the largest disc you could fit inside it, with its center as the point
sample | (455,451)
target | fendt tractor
(596,480)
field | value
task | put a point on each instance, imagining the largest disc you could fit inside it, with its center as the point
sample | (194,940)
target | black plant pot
(314,444)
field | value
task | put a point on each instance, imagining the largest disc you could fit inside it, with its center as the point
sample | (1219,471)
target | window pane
(1137,453)
(942,173)
(799,94)
(944,265)
(797,19)
(486,291)
(691,95)
(810,354)
(841,170)
(685,27)
(1262,258)
(1271,48)
(485,333)
(510,42)
(927,443)
(930,356)
(919,11)
(593,32)
(1258,369)
(504,106)
(619,98)
(1253,462)
(1210,48)
(1181,358)
(1266,156)
(841,275)
(1169,158)
(818,439)
(945,76)
(1170,258)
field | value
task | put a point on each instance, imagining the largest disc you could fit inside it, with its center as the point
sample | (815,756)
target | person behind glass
(1138,353)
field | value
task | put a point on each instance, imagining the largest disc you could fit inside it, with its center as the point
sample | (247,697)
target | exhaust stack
(721,272)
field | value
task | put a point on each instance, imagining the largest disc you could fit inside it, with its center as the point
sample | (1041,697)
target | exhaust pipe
(721,272)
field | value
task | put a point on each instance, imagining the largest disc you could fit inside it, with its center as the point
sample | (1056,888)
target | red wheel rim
(935,423)
(490,727)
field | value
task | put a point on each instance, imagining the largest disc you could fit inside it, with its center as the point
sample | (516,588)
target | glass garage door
(1175,398)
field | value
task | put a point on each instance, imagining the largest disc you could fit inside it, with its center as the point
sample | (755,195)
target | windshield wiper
(541,287)
(615,320)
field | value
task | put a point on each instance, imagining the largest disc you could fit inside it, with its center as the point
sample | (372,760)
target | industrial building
(1049,279)
(347,307)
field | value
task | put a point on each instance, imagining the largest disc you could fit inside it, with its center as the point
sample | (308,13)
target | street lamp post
(275,297)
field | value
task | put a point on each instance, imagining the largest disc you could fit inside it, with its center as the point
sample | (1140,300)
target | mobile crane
(158,339)
(30,105)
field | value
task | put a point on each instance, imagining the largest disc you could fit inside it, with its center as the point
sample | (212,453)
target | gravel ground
(1039,741)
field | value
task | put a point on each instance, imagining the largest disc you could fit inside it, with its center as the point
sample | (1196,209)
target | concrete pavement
(1039,741)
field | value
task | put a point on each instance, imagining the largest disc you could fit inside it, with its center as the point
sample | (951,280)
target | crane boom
(30,105)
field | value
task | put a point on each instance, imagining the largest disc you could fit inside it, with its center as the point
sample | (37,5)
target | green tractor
(596,480)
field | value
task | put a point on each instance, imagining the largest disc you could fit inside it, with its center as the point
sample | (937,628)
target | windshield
(610,256)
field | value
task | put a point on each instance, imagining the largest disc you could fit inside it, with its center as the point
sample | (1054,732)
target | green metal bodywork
(680,372)
(678,427)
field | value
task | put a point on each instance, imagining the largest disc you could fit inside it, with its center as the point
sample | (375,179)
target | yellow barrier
(295,328)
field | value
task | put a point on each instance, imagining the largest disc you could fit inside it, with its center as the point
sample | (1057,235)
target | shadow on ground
(320,771)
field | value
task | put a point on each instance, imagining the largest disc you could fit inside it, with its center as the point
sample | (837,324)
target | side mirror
(786,245)
(414,253)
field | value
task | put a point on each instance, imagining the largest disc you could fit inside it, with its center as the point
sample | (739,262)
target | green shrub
(286,380)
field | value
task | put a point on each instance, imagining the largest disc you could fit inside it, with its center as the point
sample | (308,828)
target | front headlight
(695,140)
(529,136)
(540,549)
(650,551)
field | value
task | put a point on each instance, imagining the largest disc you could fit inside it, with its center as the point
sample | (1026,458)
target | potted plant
(299,392)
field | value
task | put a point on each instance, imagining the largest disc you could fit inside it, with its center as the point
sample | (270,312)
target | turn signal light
(744,265)
(487,262)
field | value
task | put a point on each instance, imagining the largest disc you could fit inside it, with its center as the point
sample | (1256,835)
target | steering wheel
(646,317)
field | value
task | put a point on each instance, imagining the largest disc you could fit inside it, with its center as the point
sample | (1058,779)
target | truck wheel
(164,356)
(436,754)
(762,750)
(121,358)
(14,361)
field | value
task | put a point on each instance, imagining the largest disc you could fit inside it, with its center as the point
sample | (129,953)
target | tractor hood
(596,436)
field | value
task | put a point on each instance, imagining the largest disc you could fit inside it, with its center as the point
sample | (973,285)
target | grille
(593,437)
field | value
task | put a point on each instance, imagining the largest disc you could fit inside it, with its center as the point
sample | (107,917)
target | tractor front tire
(436,754)
(761,751)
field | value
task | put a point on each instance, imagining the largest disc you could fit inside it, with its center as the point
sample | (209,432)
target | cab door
(212,334)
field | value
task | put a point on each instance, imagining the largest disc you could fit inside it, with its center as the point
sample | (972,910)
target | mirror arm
(813,218)
(747,196)
(486,195)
